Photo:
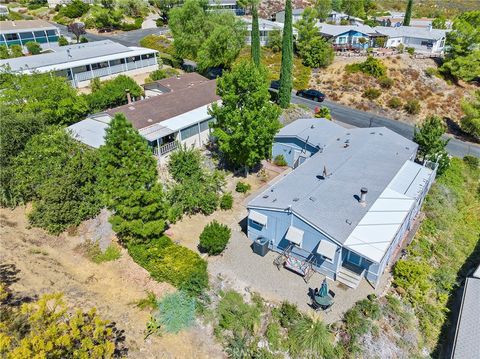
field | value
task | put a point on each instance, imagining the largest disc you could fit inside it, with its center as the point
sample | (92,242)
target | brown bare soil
(436,96)
(51,264)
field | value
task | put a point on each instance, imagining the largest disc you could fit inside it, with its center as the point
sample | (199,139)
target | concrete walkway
(245,271)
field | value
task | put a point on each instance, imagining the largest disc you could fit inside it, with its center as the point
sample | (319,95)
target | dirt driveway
(51,264)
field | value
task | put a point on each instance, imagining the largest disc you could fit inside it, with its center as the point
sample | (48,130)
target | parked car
(311,94)
(275,84)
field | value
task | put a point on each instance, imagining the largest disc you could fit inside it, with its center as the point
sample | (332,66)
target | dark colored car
(311,95)
(275,84)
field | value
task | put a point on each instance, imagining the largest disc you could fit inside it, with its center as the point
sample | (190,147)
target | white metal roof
(373,235)
(187,119)
(89,131)
(66,57)
(258,217)
(294,235)
(327,249)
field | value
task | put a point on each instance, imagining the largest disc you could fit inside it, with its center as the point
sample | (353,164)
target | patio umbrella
(323,289)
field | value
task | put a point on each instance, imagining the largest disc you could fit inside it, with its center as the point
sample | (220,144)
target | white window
(189,132)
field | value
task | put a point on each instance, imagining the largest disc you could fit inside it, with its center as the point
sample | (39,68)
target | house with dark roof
(466,343)
(176,113)
(345,209)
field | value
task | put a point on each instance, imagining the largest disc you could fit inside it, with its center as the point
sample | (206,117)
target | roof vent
(381,134)
(372,133)
(348,133)
(265,196)
(312,127)
(271,189)
(338,139)
(349,222)
(363,196)
(296,199)
(313,199)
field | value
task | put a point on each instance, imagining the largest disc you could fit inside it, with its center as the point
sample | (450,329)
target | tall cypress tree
(128,179)
(285,91)
(408,13)
(255,34)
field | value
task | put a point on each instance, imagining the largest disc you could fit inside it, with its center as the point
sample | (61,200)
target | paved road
(128,38)
(359,118)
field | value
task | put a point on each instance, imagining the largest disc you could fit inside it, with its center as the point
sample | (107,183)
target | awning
(327,249)
(294,235)
(258,217)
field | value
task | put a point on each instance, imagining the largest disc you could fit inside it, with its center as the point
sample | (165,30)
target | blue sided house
(348,36)
(347,206)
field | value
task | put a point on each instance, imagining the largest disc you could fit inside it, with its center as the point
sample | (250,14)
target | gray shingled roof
(360,157)
(467,338)
(411,31)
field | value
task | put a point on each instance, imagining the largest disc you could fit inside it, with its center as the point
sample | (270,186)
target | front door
(354,258)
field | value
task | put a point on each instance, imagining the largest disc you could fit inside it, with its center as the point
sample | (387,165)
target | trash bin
(260,246)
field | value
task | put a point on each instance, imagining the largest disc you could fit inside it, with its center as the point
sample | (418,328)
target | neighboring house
(296,15)
(4,10)
(226,5)
(347,209)
(20,32)
(266,26)
(176,114)
(467,336)
(396,19)
(421,39)
(334,17)
(348,36)
(82,62)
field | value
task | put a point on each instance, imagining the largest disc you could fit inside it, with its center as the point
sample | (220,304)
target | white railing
(101,72)
(164,149)
(117,68)
(83,76)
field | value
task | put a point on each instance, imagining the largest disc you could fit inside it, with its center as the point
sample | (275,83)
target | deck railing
(164,149)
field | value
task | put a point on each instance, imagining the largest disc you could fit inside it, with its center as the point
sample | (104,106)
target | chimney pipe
(363,195)
(129,97)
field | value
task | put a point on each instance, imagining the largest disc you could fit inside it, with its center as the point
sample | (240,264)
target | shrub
(273,336)
(129,26)
(226,201)
(410,50)
(33,47)
(395,103)
(371,66)
(92,251)
(156,75)
(385,82)
(431,72)
(288,314)
(310,338)
(323,112)
(176,311)
(214,238)
(75,9)
(83,40)
(372,93)
(472,161)
(412,107)
(236,315)
(242,187)
(16,51)
(279,160)
(62,41)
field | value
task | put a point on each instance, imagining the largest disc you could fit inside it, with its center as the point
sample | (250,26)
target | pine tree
(285,91)
(255,34)
(129,183)
(408,13)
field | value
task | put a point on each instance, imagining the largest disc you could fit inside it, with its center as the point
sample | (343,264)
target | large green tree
(286,69)
(354,8)
(209,37)
(463,47)
(323,8)
(431,145)
(471,121)
(247,121)
(50,97)
(408,13)
(129,183)
(255,34)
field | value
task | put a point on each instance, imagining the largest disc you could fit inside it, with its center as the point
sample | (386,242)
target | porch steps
(348,277)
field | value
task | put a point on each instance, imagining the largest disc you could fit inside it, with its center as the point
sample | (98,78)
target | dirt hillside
(51,264)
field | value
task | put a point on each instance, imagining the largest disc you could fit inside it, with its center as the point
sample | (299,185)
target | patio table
(324,302)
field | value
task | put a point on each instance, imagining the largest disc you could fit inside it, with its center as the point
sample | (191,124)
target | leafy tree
(317,53)
(471,121)
(408,13)
(214,238)
(50,97)
(246,122)
(323,9)
(33,47)
(463,47)
(337,5)
(210,38)
(133,8)
(440,22)
(431,145)
(59,175)
(78,29)
(112,93)
(106,19)
(165,6)
(4,53)
(285,90)
(274,41)
(354,8)
(184,163)
(75,9)
(45,329)
(306,28)
(129,183)
(255,35)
